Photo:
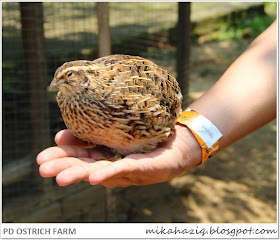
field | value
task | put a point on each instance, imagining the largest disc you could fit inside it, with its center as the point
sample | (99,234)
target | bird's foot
(116,157)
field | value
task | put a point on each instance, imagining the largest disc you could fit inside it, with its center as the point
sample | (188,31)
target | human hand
(72,161)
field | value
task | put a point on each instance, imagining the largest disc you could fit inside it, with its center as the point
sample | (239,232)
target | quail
(126,103)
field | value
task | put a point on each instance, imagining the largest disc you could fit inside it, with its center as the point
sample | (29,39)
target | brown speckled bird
(126,103)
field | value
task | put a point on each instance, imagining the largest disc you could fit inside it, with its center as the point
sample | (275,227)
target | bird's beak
(54,84)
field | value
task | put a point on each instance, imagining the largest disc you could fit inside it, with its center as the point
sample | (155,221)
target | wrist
(188,146)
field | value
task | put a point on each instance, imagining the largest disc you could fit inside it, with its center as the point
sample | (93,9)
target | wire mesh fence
(37,38)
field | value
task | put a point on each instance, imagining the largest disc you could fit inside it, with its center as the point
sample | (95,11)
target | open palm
(73,161)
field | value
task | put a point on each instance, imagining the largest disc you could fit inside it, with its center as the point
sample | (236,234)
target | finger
(65,137)
(54,167)
(115,170)
(72,175)
(77,171)
(77,168)
(65,151)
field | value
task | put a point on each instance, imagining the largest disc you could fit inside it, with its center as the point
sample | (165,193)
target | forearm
(244,99)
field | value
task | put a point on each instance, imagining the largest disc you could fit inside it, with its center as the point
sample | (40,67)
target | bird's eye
(69,74)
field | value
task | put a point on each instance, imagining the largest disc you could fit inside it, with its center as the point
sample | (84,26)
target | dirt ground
(238,185)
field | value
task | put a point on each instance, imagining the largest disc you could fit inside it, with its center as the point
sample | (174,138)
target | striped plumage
(126,103)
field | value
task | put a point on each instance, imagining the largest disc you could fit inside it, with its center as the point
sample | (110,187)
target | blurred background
(196,42)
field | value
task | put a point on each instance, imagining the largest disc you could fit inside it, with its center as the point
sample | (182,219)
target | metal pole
(104,49)
(183,48)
